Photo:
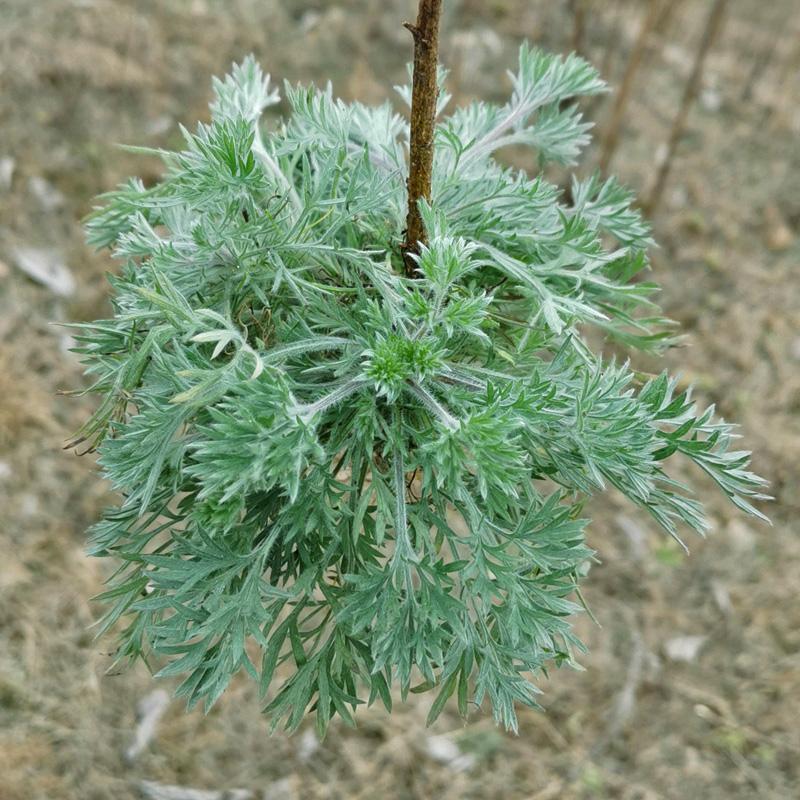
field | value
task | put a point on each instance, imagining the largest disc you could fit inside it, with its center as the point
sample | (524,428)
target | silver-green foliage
(354,479)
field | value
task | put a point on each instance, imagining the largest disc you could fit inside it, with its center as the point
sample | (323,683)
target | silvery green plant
(338,475)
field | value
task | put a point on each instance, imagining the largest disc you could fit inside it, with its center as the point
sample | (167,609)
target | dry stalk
(424,95)
(611,138)
(710,32)
(579,8)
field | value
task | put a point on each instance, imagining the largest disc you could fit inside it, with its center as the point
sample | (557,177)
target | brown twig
(712,28)
(578,8)
(424,95)
(669,11)
(611,138)
(769,47)
(614,13)
(607,21)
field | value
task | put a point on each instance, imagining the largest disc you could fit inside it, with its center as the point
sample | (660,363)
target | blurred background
(693,681)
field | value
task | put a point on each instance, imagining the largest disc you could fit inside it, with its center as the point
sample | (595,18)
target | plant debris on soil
(691,686)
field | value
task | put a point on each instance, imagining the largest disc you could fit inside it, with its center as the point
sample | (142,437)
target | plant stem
(611,138)
(434,406)
(578,9)
(424,95)
(713,25)
(306,411)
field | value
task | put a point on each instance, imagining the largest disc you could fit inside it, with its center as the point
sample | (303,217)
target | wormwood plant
(358,464)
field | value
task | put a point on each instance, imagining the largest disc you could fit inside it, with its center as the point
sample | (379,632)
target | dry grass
(77,77)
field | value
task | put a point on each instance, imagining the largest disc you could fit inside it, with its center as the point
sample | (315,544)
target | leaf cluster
(356,480)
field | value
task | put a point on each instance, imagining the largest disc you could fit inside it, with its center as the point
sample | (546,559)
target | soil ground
(646,719)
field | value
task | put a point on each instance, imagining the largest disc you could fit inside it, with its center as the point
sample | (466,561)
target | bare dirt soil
(658,713)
